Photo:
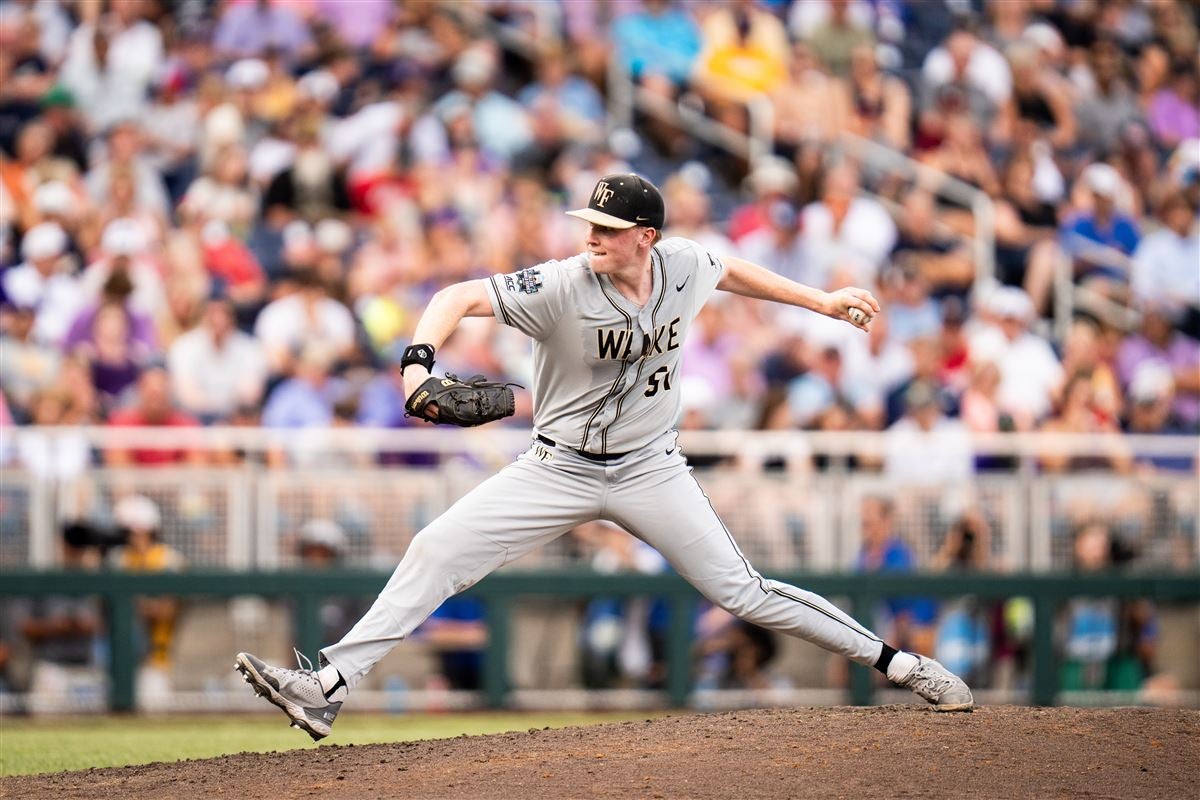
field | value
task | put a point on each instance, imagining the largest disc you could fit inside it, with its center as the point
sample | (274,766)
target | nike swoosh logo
(641,219)
(679,288)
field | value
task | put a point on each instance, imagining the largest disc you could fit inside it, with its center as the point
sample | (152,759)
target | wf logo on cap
(602,194)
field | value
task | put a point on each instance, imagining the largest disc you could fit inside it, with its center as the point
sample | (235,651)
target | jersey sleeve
(531,300)
(709,270)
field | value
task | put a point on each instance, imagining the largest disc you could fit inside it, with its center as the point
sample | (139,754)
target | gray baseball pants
(548,491)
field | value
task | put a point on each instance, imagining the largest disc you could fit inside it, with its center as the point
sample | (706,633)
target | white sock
(902,664)
(331,678)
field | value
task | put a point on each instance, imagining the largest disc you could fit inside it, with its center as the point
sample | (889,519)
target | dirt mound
(899,751)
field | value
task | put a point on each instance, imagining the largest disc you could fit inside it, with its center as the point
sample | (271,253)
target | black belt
(589,456)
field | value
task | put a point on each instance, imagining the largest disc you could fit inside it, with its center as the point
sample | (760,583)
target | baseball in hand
(857,315)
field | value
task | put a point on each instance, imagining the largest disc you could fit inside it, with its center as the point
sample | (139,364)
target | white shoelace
(302,660)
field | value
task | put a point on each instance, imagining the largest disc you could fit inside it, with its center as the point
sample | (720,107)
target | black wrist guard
(417,354)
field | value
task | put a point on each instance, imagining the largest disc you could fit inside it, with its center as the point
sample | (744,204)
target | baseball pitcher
(608,327)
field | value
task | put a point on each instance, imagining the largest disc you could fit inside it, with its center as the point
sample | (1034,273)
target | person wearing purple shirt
(141,331)
(1159,341)
(357,22)
(251,28)
(1174,112)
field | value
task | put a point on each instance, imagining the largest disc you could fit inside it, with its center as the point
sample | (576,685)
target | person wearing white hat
(140,519)
(124,246)
(1029,370)
(43,281)
(1101,239)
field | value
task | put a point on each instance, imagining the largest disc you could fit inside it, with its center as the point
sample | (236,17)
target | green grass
(55,744)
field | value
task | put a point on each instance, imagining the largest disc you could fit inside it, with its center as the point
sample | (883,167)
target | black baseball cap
(624,200)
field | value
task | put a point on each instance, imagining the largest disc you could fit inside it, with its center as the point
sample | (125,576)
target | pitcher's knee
(743,601)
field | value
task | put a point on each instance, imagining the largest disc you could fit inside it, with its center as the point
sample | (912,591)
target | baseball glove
(464,403)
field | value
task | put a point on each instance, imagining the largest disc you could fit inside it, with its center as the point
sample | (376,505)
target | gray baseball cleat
(941,687)
(296,691)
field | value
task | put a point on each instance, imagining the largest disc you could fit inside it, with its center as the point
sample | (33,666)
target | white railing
(794,517)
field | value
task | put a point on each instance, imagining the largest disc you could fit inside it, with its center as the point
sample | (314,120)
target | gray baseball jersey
(605,370)
(605,384)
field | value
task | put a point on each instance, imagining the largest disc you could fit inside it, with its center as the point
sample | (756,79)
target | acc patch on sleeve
(528,280)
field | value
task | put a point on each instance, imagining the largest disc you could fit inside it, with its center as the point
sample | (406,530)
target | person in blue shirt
(660,39)
(883,550)
(1104,226)
(307,399)
(456,632)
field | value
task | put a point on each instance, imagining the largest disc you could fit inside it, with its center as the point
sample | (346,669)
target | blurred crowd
(234,212)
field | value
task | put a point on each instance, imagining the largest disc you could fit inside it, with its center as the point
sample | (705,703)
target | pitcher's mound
(890,751)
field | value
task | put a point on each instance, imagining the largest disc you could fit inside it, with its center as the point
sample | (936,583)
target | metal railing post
(122,658)
(307,623)
(862,689)
(1045,665)
(495,657)
(679,649)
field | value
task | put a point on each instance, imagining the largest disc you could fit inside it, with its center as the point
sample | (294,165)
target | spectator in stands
(1030,373)
(926,447)
(321,545)
(876,366)
(961,154)
(735,654)
(1107,103)
(883,549)
(253,28)
(125,248)
(63,633)
(41,282)
(306,313)
(878,104)
(780,246)
(111,350)
(809,105)
(152,407)
(140,520)
(912,312)
(498,123)
(924,365)
(1108,644)
(308,398)
(1040,105)
(1101,240)
(965,624)
(1149,412)
(744,51)
(1164,266)
(112,60)
(1079,413)
(969,68)
(27,366)
(312,186)
(622,640)
(1173,114)
(223,192)
(578,101)
(457,635)
(1158,341)
(215,368)
(124,153)
(62,456)
(658,39)
(849,235)
(835,38)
